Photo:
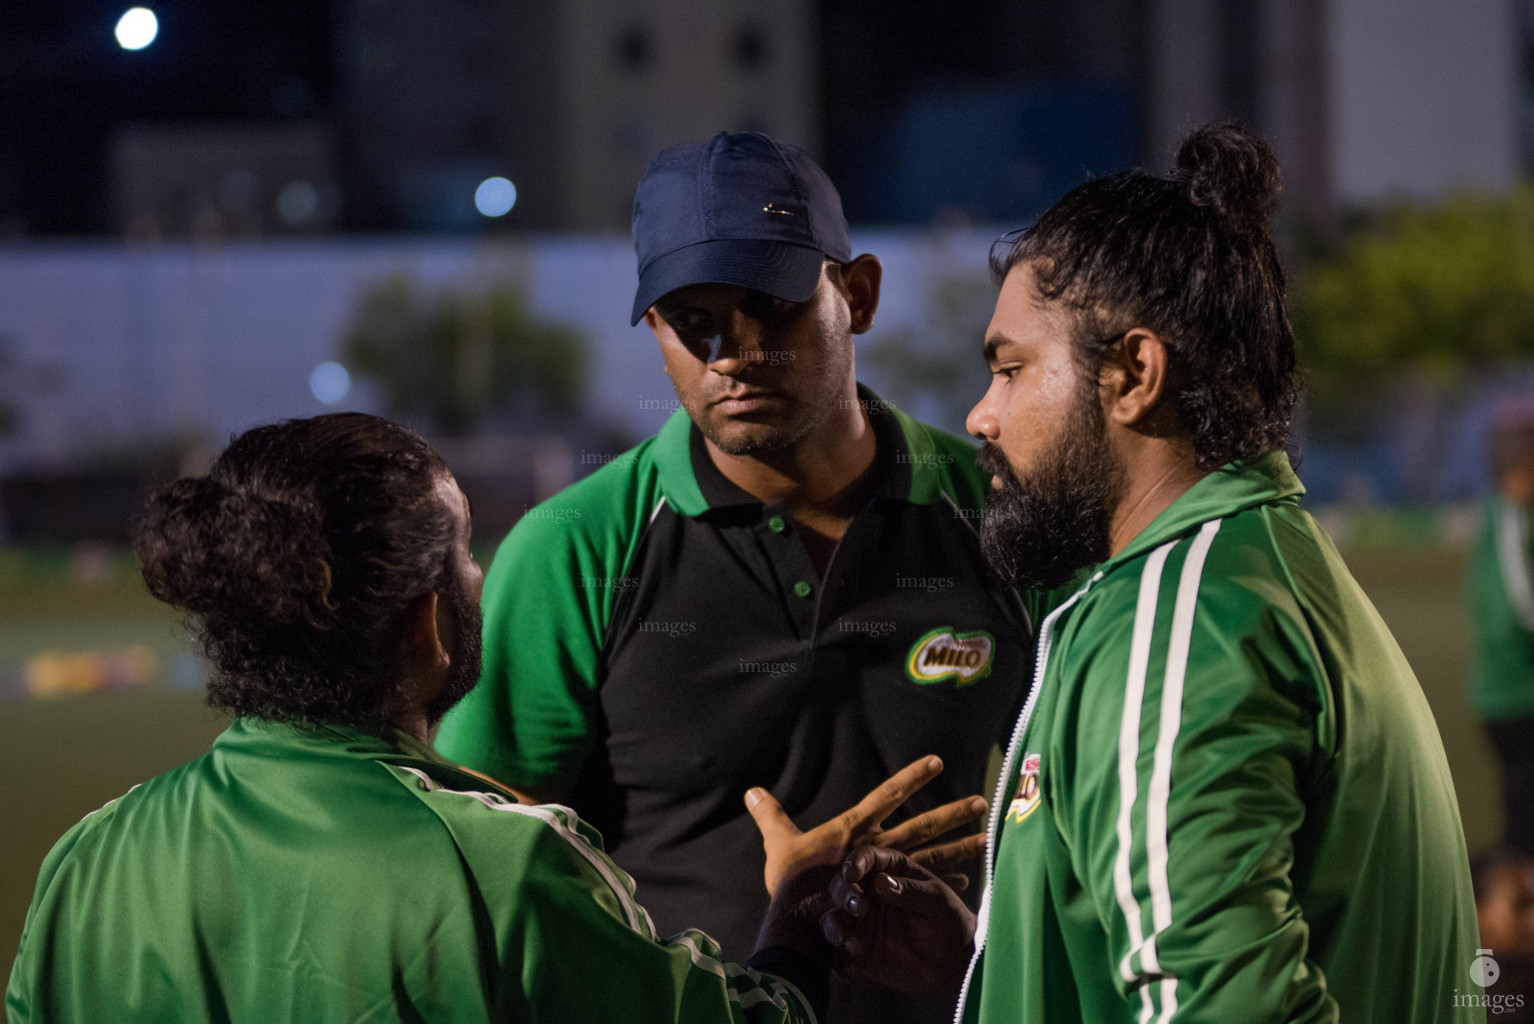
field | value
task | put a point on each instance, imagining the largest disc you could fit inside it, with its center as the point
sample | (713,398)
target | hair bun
(206,547)
(1232,171)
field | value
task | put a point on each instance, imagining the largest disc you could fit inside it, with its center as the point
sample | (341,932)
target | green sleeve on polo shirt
(548,599)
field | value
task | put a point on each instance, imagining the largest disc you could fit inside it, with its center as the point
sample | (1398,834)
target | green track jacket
(313,876)
(1226,800)
(1502,614)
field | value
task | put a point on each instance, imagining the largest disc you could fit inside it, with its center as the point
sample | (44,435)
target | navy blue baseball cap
(741,209)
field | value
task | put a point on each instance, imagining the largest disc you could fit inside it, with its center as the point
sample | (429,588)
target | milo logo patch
(945,654)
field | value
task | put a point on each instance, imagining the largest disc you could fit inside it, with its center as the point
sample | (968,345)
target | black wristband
(809,973)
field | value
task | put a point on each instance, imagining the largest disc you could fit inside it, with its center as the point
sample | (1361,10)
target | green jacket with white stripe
(315,875)
(1502,614)
(1227,800)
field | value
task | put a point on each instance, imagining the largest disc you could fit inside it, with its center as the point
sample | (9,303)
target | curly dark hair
(297,556)
(1188,256)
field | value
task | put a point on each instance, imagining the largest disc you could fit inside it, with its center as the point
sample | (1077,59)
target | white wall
(119,345)
(1422,97)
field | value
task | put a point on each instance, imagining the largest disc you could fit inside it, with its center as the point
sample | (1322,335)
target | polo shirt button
(803,589)
(776,524)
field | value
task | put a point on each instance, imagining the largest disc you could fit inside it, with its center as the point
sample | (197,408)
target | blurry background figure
(1504,905)
(1502,616)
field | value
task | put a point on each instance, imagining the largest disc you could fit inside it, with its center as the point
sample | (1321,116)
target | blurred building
(1364,100)
(981,113)
(224,179)
(990,115)
(569,99)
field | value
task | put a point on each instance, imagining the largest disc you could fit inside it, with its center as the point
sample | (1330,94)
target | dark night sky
(64,83)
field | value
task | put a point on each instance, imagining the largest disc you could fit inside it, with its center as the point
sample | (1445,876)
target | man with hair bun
(322,863)
(1226,799)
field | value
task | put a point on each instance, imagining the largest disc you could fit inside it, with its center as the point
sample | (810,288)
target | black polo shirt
(657,641)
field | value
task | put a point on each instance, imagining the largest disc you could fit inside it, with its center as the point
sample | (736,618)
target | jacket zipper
(1046,638)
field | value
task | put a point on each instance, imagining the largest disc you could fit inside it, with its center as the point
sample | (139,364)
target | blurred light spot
(137,28)
(55,673)
(495,197)
(330,382)
(297,203)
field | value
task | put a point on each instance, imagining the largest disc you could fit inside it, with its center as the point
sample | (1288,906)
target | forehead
(1022,317)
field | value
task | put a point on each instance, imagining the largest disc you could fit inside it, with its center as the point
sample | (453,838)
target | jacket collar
(258,736)
(1230,489)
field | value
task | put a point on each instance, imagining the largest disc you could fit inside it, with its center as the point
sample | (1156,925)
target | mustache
(991,460)
(737,389)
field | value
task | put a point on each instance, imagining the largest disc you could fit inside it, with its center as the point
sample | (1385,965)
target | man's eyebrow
(994,341)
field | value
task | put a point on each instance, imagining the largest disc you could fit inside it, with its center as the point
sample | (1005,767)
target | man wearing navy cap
(784,587)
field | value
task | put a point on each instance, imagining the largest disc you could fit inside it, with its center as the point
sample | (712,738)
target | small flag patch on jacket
(1026,800)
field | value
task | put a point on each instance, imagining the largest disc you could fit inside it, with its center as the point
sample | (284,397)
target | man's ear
(653,321)
(424,635)
(1134,379)
(860,283)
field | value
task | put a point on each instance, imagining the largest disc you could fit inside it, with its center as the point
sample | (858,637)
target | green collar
(255,737)
(1224,492)
(253,734)
(921,480)
(673,458)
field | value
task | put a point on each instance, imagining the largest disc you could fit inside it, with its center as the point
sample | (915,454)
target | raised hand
(942,859)
(896,924)
(790,851)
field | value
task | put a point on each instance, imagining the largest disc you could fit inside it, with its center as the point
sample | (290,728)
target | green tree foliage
(456,356)
(1425,297)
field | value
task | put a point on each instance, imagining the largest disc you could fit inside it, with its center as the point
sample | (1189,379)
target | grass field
(70,755)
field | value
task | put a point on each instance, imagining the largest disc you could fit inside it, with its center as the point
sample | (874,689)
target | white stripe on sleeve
(1129,751)
(1159,794)
(559,818)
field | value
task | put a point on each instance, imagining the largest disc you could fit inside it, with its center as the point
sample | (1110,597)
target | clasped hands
(884,898)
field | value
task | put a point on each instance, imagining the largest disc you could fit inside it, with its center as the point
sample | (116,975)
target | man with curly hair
(322,863)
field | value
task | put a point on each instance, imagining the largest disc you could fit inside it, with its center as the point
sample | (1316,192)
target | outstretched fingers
(773,822)
(949,858)
(929,825)
(879,804)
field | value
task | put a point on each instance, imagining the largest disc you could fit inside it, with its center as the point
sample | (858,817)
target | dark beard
(1039,533)
(464,673)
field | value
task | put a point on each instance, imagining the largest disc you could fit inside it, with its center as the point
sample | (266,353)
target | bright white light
(495,197)
(330,382)
(137,28)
